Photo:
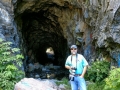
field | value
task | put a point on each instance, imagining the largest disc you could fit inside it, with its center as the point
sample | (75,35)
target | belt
(77,75)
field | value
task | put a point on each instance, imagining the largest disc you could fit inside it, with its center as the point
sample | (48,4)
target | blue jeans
(78,83)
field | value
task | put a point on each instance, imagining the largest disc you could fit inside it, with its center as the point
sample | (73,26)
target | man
(77,66)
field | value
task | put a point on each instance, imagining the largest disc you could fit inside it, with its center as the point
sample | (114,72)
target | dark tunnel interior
(42,39)
(41,32)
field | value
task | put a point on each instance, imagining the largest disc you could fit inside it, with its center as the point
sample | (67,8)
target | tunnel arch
(40,31)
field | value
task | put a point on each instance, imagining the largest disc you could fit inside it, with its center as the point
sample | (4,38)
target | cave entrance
(41,32)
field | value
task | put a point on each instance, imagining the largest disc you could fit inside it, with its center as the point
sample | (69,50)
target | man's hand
(81,76)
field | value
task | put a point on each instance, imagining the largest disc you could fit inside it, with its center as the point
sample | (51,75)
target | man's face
(73,51)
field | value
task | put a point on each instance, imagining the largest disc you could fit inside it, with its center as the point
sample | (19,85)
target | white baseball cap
(73,46)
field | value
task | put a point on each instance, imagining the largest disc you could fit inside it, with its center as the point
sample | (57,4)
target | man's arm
(84,71)
(67,64)
(68,67)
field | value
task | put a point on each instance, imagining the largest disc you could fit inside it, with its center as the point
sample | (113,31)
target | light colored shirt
(78,63)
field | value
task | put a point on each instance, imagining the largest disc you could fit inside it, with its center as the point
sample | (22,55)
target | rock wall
(102,16)
(8,29)
(91,24)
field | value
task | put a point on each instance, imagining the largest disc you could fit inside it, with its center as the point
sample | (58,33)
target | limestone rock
(34,84)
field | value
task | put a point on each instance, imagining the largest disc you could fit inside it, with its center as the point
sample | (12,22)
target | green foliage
(98,71)
(96,86)
(113,81)
(10,60)
(65,82)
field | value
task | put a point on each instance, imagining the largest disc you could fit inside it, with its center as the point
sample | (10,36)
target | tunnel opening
(40,31)
(50,55)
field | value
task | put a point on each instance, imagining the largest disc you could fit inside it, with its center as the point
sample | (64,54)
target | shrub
(96,86)
(113,81)
(98,71)
(10,60)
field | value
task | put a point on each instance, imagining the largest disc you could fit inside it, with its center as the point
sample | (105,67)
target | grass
(90,86)
(64,81)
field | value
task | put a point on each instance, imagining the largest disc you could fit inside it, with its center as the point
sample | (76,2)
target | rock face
(35,25)
(33,84)
(36,84)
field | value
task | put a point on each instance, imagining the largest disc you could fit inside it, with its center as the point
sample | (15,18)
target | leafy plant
(113,81)
(10,61)
(96,86)
(98,71)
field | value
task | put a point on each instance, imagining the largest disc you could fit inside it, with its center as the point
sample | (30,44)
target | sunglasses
(73,49)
